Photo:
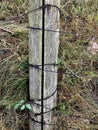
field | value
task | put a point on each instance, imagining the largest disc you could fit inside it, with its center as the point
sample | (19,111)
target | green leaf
(28,106)
(21,102)
(16,106)
(22,107)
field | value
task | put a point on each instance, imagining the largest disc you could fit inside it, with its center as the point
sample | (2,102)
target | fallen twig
(6,30)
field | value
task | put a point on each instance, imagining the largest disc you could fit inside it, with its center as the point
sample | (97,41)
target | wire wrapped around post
(42,80)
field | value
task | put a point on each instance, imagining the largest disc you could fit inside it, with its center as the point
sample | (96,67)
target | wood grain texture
(35,58)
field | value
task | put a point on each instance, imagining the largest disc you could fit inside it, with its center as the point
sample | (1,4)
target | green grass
(14,70)
(78,64)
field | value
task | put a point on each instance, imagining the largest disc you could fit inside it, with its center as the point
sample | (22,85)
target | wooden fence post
(51,44)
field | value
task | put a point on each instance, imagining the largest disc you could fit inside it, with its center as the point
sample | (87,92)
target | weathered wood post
(51,44)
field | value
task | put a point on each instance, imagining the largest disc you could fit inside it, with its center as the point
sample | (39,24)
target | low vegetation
(77,86)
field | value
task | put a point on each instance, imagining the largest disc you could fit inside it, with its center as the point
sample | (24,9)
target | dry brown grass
(76,93)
